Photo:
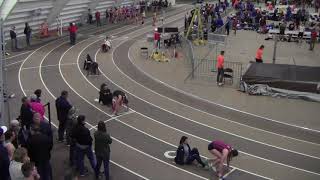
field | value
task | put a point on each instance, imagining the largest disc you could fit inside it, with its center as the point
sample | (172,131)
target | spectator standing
(220,66)
(14,41)
(15,127)
(259,54)
(313,39)
(39,146)
(63,106)
(38,93)
(228,26)
(89,16)
(157,38)
(29,171)
(20,156)
(4,156)
(71,123)
(10,136)
(107,15)
(83,139)
(26,113)
(27,32)
(36,106)
(98,20)
(102,149)
(73,33)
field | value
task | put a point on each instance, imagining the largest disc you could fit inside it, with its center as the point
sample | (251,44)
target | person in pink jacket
(36,106)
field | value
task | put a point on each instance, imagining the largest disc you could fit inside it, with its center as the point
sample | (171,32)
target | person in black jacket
(102,149)
(13,36)
(105,95)
(39,148)
(27,32)
(83,139)
(63,106)
(26,113)
(185,155)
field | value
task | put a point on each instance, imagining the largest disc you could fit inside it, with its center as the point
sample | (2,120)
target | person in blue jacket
(186,155)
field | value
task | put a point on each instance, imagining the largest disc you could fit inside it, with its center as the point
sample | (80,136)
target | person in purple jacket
(223,153)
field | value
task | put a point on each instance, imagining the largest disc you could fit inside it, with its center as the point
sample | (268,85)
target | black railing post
(49,113)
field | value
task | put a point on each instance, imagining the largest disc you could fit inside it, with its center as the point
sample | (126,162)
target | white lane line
(19,74)
(223,130)
(55,98)
(156,120)
(152,157)
(61,73)
(228,173)
(50,65)
(11,64)
(284,149)
(112,118)
(231,108)
(205,126)
(17,55)
(199,110)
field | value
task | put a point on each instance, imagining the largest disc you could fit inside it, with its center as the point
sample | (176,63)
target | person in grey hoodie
(102,149)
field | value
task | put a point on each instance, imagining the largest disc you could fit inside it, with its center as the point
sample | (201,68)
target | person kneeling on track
(87,63)
(106,46)
(185,155)
(105,95)
(223,154)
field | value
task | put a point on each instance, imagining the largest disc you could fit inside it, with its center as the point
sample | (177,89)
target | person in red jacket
(98,18)
(156,38)
(313,39)
(259,54)
(73,32)
(220,66)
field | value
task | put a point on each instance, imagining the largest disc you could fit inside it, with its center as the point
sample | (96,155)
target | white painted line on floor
(61,73)
(227,174)
(17,55)
(213,115)
(151,118)
(46,66)
(132,172)
(11,64)
(113,118)
(221,129)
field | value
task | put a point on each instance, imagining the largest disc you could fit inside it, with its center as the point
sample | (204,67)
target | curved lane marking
(148,155)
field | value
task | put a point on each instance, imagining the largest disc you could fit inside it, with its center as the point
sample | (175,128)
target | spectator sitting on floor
(29,171)
(185,155)
(20,156)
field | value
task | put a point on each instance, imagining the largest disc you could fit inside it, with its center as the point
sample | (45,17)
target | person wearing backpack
(186,155)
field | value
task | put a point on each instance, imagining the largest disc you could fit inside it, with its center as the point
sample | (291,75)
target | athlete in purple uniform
(223,154)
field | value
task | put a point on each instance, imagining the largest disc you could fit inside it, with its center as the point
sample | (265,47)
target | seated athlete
(185,155)
(87,63)
(105,95)
(119,98)
(223,154)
